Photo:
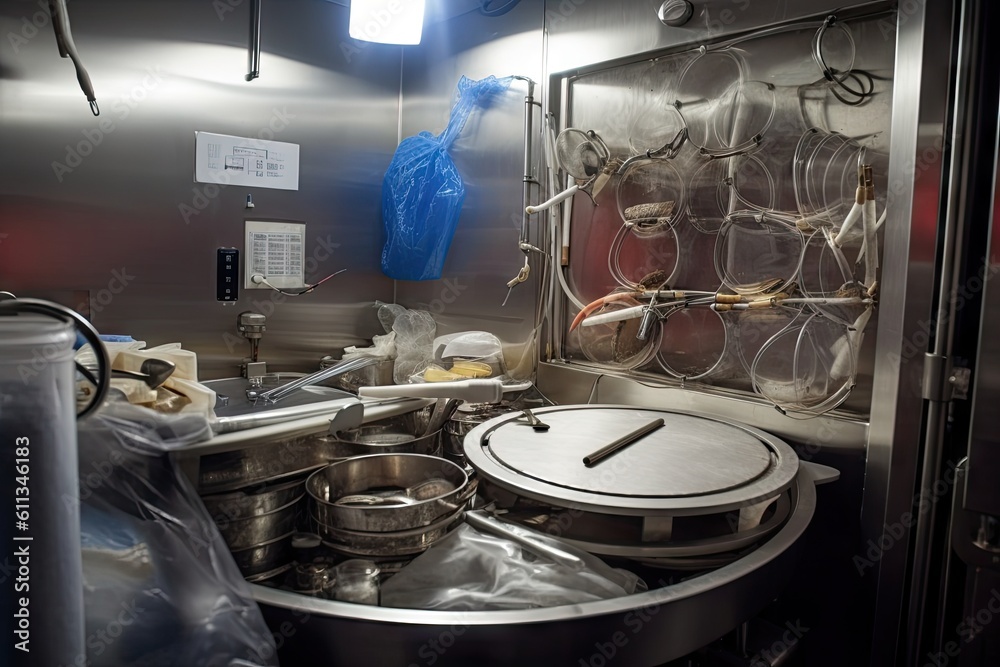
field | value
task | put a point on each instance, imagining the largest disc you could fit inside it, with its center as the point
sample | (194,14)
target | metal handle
(278,393)
(517,534)
(622,442)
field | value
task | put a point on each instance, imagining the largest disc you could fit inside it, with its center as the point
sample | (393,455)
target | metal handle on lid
(621,443)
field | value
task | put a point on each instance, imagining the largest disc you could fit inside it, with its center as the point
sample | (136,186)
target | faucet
(278,393)
(251,326)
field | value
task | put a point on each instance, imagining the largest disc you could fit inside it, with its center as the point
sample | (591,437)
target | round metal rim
(730,574)
(387,508)
(772,482)
(249,501)
(702,547)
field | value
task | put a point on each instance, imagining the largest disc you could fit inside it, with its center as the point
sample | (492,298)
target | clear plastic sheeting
(422,192)
(415,331)
(472,571)
(160,586)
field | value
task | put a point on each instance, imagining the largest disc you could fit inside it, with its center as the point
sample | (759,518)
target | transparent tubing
(772,219)
(801,407)
(644,227)
(614,257)
(712,368)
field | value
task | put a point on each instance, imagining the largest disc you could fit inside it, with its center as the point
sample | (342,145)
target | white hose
(546,205)
(852,218)
(871,241)
(631,313)
(878,226)
(562,278)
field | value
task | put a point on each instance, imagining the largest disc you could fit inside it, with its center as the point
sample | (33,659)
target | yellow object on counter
(438,374)
(471,369)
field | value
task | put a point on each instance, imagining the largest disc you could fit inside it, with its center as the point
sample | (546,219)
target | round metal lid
(692,464)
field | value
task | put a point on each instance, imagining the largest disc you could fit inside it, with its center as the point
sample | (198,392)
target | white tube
(474,391)
(852,218)
(566,223)
(871,242)
(544,206)
(832,301)
(845,349)
(616,316)
(878,226)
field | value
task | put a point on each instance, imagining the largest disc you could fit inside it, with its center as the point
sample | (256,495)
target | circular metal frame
(688,615)
(694,548)
(778,477)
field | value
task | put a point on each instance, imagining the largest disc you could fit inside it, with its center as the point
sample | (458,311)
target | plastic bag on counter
(422,192)
(382,347)
(472,571)
(387,314)
(160,586)
(470,354)
(415,331)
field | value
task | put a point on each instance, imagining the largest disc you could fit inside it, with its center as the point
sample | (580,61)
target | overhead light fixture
(387,21)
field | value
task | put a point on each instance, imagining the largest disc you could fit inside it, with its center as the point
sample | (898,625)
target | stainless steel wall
(122,220)
(489,155)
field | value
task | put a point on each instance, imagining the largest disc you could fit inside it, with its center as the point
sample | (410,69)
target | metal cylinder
(42,599)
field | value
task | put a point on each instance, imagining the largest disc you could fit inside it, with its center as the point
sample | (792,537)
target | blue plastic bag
(422,192)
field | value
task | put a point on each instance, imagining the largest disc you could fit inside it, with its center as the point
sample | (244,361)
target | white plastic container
(42,597)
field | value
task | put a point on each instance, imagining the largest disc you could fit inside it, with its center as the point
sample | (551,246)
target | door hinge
(937,368)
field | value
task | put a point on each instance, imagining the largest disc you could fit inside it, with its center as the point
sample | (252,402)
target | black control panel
(227,275)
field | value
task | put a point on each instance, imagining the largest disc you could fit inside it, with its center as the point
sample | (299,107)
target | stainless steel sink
(235,412)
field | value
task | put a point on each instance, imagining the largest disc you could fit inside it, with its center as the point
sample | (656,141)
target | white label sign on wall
(275,251)
(220,158)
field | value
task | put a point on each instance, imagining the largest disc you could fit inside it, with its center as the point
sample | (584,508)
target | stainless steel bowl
(406,433)
(259,530)
(366,474)
(240,468)
(379,545)
(466,418)
(264,557)
(247,503)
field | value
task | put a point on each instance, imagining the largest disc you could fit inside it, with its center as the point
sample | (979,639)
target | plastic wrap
(160,586)
(422,192)
(472,571)
(415,331)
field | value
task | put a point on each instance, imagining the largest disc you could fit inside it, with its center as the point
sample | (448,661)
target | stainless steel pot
(259,530)
(397,543)
(246,503)
(264,557)
(365,474)
(240,468)
(465,418)
(237,469)
(406,433)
